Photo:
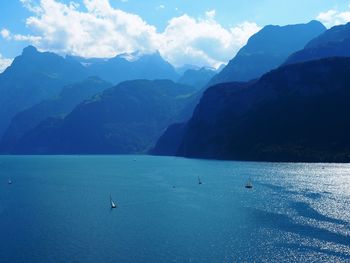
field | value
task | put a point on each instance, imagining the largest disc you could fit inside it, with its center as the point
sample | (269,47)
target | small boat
(199,180)
(249,184)
(10,181)
(113,205)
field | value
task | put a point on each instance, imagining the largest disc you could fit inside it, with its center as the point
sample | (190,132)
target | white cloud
(187,40)
(334,17)
(5,33)
(99,30)
(160,7)
(30,6)
(211,14)
(4,63)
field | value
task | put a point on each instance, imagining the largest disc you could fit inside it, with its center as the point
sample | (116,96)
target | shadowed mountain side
(168,143)
(295,113)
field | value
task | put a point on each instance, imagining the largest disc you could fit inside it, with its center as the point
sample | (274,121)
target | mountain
(60,105)
(170,140)
(127,118)
(267,50)
(335,42)
(130,67)
(197,77)
(181,70)
(33,77)
(295,113)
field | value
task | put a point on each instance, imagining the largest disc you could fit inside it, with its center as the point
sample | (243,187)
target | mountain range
(127,118)
(36,76)
(130,67)
(267,50)
(283,97)
(297,112)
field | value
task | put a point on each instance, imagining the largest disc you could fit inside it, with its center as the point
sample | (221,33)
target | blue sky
(104,28)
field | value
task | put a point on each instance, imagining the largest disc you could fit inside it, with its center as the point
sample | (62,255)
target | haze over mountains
(197,77)
(293,113)
(127,118)
(57,106)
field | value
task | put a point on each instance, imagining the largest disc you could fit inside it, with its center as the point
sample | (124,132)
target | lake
(57,210)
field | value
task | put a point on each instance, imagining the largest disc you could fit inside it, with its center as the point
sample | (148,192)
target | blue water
(57,210)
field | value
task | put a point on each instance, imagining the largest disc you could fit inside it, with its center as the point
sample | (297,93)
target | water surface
(57,210)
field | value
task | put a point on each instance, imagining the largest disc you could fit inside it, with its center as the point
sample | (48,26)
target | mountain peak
(268,49)
(137,55)
(315,22)
(29,50)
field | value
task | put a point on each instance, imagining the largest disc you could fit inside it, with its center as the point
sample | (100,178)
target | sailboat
(249,184)
(199,180)
(113,205)
(10,181)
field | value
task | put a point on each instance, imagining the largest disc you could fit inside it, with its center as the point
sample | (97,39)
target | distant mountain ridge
(197,78)
(36,76)
(126,67)
(267,50)
(57,106)
(127,118)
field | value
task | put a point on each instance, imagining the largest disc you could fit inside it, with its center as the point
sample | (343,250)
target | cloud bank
(334,17)
(4,63)
(96,29)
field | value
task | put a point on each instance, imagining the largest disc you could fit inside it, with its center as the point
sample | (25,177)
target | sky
(197,32)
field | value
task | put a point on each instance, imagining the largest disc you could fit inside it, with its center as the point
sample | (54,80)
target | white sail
(113,205)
